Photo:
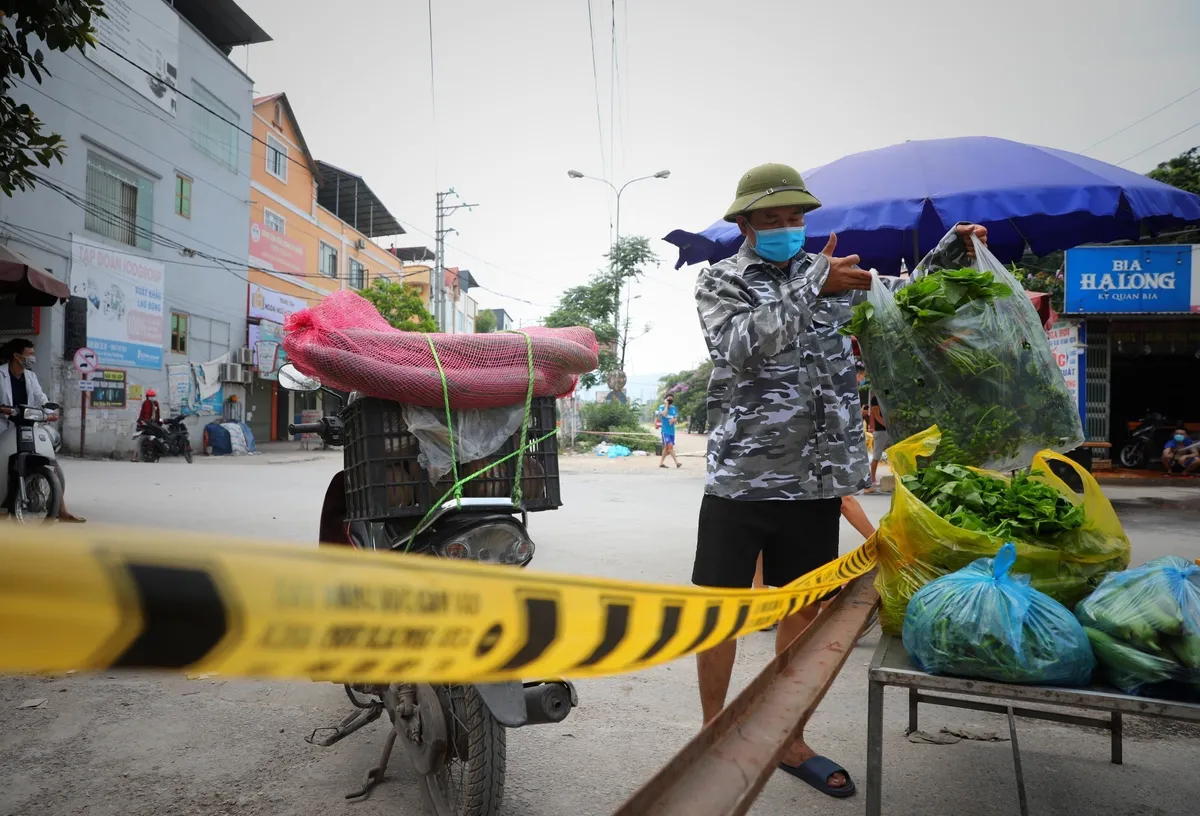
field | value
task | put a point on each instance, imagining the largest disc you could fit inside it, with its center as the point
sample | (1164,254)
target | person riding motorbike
(149,420)
(20,386)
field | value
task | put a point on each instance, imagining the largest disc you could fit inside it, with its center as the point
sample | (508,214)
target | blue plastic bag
(983,622)
(617,451)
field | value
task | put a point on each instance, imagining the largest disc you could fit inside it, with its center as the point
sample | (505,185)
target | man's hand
(4,409)
(844,273)
(966,230)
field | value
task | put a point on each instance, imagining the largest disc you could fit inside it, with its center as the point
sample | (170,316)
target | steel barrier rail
(721,771)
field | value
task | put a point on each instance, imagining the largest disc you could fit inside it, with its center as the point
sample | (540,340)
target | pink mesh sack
(347,345)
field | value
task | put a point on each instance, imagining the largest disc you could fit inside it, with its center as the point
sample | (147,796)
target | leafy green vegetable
(1144,624)
(1018,508)
(956,348)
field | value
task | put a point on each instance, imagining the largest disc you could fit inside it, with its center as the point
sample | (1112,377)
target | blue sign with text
(1128,279)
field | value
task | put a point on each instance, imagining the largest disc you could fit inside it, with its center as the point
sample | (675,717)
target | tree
(1183,171)
(62,25)
(485,322)
(400,305)
(596,305)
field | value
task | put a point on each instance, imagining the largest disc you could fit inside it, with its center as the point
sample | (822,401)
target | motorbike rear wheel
(43,497)
(1133,455)
(187,451)
(469,779)
(148,451)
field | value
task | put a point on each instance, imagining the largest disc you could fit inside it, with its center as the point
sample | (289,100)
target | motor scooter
(29,480)
(1145,443)
(454,735)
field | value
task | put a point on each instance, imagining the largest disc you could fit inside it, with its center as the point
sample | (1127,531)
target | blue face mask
(779,245)
(1179,437)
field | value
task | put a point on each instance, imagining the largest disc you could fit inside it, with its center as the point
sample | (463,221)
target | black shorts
(794,537)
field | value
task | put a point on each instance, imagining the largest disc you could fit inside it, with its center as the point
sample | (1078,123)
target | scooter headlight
(492,543)
(34,415)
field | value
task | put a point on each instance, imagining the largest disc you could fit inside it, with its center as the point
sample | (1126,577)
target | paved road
(128,745)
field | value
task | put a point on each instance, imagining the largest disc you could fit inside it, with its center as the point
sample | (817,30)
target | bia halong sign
(1108,280)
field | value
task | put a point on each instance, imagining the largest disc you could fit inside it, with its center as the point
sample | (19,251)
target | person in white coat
(20,386)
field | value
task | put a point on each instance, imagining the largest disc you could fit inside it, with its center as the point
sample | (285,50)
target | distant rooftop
(349,198)
(413,254)
(223,22)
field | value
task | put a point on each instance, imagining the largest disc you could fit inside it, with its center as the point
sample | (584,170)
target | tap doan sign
(109,391)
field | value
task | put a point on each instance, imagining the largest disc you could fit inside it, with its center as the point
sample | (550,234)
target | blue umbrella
(897,202)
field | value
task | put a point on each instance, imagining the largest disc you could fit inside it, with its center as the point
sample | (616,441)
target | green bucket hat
(771,185)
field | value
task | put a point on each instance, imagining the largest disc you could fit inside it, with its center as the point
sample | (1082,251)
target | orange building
(313,230)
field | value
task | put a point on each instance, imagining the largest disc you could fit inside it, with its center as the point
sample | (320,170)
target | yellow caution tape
(113,598)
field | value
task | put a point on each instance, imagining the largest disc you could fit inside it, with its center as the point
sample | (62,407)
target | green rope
(420,528)
(457,489)
(517,495)
(525,444)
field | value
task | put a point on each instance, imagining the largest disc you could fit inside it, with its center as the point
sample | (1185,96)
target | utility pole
(438,284)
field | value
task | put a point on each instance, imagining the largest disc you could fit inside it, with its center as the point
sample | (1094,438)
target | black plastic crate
(384,479)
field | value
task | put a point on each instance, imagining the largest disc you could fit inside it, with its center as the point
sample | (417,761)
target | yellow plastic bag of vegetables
(916,545)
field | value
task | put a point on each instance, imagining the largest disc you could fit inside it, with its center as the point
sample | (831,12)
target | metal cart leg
(874,748)
(1012,732)
(913,701)
(1117,734)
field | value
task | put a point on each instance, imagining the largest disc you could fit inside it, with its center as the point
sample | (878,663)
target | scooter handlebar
(305,428)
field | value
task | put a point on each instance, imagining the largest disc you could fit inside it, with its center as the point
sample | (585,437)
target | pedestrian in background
(669,414)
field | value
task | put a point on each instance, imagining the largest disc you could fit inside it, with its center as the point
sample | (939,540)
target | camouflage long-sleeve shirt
(783,403)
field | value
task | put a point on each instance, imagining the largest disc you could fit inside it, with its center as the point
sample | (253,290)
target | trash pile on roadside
(1000,558)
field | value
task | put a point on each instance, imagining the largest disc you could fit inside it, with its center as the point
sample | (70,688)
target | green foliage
(1019,508)
(400,305)
(609,416)
(1039,280)
(485,321)
(1183,171)
(596,304)
(64,25)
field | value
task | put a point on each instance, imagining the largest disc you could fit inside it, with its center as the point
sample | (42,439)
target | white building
(146,218)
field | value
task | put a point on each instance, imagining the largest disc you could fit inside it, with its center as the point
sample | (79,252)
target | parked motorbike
(454,735)
(170,438)
(29,479)
(1146,442)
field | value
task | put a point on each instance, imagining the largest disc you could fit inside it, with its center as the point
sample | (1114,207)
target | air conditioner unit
(244,356)
(247,376)
(231,372)
(361,243)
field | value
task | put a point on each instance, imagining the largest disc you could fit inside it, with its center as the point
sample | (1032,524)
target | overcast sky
(706,90)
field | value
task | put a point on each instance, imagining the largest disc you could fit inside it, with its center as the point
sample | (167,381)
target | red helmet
(151,393)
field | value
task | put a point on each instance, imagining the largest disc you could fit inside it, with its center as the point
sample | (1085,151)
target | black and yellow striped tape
(120,598)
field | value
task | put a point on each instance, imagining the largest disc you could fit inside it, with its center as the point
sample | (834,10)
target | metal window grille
(112,202)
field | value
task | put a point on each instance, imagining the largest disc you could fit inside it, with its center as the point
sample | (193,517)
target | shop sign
(125,303)
(267,304)
(264,336)
(1132,280)
(273,250)
(1068,344)
(108,390)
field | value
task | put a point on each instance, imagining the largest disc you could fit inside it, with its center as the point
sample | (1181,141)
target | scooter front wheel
(43,497)
(187,452)
(1133,455)
(469,779)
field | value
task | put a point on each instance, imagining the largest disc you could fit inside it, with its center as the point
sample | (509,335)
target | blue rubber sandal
(816,772)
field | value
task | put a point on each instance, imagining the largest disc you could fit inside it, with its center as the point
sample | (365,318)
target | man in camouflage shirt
(787,438)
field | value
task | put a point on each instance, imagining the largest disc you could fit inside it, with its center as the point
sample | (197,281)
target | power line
(1163,142)
(432,93)
(1143,119)
(596,86)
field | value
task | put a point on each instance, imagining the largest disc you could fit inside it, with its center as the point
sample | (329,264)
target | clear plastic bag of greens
(478,432)
(985,622)
(916,545)
(1145,625)
(964,349)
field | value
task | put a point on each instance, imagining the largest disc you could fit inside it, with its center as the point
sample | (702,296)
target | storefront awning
(32,285)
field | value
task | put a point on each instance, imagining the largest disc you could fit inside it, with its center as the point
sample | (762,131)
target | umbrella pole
(916,250)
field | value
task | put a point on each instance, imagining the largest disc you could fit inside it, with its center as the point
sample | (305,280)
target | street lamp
(575,174)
